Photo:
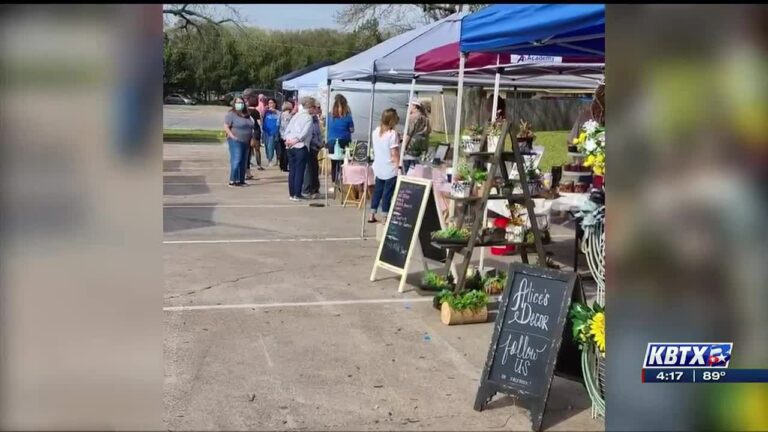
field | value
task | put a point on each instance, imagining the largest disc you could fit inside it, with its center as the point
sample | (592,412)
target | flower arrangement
(436,282)
(475,130)
(525,133)
(494,128)
(591,142)
(589,325)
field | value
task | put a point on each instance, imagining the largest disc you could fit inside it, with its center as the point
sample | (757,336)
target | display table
(353,174)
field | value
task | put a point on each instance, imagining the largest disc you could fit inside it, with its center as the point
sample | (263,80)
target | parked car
(226,99)
(179,99)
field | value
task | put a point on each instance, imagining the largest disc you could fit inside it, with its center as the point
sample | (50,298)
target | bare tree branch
(398,17)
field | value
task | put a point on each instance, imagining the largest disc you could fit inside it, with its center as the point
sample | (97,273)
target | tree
(399,18)
(195,15)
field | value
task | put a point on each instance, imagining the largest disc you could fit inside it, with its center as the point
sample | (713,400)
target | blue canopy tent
(536,29)
(530,29)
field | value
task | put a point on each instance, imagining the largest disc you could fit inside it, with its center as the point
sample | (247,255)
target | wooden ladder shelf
(478,204)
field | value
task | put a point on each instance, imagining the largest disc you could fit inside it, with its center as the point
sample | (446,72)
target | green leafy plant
(494,284)
(417,147)
(436,281)
(451,233)
(464,172)
(479,176)
(466,300)
(475,130)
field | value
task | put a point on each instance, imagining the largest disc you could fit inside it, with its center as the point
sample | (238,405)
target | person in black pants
(255,146)
(311,187)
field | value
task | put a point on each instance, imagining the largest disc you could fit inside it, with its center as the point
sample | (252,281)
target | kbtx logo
(688,355)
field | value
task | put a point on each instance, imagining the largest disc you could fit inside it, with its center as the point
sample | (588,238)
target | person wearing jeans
(238,125)
(298,137)
(340,130)
(271,131)
(386,148)
(297,158)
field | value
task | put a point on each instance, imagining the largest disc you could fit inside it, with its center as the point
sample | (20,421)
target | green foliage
(494,284)
(464,172)
(452,234)
(479,176)
(218,59)
(474,130)
(467,300)
(436,281)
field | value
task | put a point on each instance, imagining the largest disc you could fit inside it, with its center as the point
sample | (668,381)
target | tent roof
(446,58)
(536,29)
(303,71)
(319,78)
(393,59)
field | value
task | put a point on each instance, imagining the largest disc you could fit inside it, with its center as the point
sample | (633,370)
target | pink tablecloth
(353,174)
(439,183)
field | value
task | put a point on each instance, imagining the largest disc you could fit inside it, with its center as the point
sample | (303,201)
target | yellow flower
(597,330)
(575,140)
(589,160)
(600,158)
(582,137)
(598,169)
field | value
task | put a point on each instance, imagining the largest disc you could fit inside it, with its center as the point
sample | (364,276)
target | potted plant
(472,141)
(462,185)
(525,135)
(534,180)
(463,308)
(494,132)
(451,235)
(435,282)
(479,177)
(494,284)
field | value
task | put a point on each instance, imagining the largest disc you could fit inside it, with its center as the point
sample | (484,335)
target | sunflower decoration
(589,325)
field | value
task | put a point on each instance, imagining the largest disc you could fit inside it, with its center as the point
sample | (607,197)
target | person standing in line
(386,147)
(238,126)
(255,148)
(311,187)
(340,128)
(298,136)
(417,135)
(285,118)
(270,136)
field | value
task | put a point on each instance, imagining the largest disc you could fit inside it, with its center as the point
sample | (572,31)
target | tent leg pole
(445,117)
(370,145)
(457,123)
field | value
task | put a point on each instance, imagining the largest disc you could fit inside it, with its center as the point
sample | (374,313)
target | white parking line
(234,205)
(264,240)
(296,304)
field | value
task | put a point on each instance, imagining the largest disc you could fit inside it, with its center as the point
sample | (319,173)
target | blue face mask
(239,106)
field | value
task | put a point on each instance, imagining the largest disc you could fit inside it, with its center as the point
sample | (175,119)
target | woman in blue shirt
(271,130)
(340,128)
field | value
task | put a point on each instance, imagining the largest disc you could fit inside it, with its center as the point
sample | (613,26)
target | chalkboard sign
(430,224)
(404,220)
(526,337)
(360,153)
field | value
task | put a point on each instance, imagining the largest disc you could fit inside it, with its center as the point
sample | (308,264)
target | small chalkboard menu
(360,153)
(526,337)
(403,222)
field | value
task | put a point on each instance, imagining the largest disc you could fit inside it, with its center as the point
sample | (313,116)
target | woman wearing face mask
(238,126)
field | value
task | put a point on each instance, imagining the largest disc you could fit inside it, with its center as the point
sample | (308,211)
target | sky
(290,16)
